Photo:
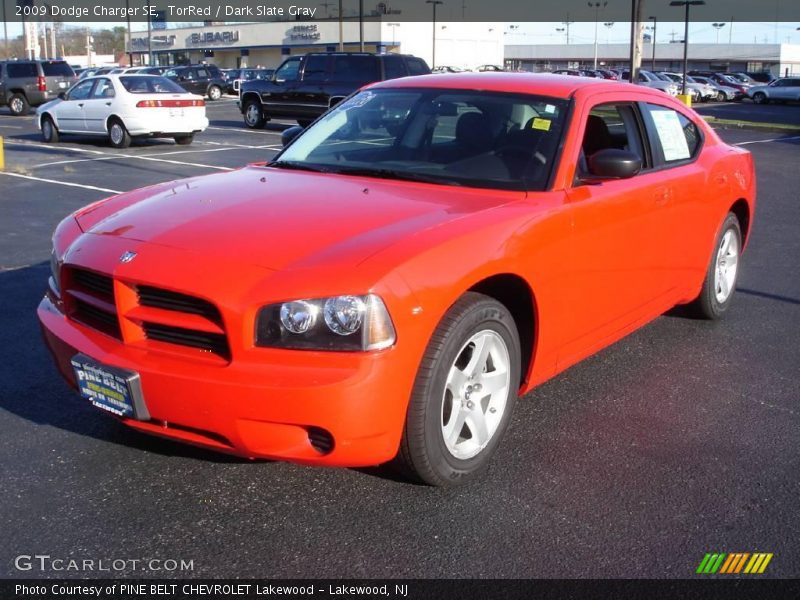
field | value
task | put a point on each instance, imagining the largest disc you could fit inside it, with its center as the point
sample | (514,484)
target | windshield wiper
(298,166)
(394,174)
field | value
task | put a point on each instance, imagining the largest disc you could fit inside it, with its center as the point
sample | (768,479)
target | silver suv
(26,83)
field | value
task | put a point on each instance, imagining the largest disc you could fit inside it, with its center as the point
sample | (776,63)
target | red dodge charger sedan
(401,271)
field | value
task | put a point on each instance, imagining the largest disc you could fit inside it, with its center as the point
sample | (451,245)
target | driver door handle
(80,104)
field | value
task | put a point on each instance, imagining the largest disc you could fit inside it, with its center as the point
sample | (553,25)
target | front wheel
(253,115)
(214,92)
(49,131)
(184,140)
(463,395)
(760,98)
(723,271)
(18,105)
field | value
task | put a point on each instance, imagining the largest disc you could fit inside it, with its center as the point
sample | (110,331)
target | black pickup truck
(304,87)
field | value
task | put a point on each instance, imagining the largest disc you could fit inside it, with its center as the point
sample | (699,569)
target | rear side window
(673,136)
(315,68)
(202,74)
(150,85)
(417,67)
(22,70)
(356,68)
(394,67)
(57,69)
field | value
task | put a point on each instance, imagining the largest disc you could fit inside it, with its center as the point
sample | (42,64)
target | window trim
(652,138)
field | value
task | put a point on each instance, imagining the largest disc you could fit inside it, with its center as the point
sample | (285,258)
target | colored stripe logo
(734,563)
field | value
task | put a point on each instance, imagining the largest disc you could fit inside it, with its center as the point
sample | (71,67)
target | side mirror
(612,163)
(289,134)
(62,95)
(182,78)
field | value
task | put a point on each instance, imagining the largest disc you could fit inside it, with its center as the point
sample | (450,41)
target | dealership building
(231,45)
(780,59)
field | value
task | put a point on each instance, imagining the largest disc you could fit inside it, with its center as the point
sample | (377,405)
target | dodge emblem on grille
(127,257)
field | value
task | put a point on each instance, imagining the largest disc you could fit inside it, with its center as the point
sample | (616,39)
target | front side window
(81,91)
(611,126)
(475,139)
(673,136)
(289,70)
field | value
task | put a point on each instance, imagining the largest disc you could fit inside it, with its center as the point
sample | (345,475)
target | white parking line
(152,156)
(67,183)
(51,147)
(229,130)
(10,126)
(780,139)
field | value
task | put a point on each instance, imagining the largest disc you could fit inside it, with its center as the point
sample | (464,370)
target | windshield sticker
(543,124)
(358,101)
(670,133)
(550,108)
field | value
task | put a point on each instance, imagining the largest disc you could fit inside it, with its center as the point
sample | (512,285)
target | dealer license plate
(115,390)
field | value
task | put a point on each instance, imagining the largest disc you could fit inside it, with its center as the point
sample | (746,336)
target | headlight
(349,322)
(54,272)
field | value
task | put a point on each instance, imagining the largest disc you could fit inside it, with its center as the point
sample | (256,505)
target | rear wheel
(184,140)
(760,98)
(18,105)
(253,115)
(723,271)
(214,92)
(721,97)
(49,131)
(463,395)
(118,135)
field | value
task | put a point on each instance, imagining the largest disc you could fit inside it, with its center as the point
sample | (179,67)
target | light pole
(718,26)
(393,25)
(608,25)
(433,3)
(596,6)
(655,24)
(687,4)
(566,25)
(361,25)
(341,32)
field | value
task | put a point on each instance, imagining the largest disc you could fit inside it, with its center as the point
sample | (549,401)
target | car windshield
(450,137)
(149,84)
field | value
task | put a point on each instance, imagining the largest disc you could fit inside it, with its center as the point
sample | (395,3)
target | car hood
(281,219)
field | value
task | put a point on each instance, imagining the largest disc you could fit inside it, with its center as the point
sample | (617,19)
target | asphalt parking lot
(682,439)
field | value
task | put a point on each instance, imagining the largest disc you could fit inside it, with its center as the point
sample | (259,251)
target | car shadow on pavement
(32,388)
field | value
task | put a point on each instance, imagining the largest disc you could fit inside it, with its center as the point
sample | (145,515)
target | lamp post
(360,25)
(565,29)
(718,26)
(655,24)
(608,26)
(596,6)
(687,4)
(5,31)
(433,3)
(393,25)
(341,32)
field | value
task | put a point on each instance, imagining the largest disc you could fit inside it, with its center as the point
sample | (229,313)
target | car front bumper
(273,408)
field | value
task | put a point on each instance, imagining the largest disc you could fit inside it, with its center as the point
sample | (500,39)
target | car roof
(559,86)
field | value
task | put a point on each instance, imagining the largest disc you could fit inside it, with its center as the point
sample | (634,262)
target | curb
(737,124)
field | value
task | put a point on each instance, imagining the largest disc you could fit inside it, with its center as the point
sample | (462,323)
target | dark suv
(26,83)
(205,80)
(304,87)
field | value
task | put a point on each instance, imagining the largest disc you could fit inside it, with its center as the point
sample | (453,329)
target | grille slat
(94,282)
(97,318)
(211,342)
(168,300)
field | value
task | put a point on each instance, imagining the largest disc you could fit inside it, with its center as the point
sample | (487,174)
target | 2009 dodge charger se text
(388,285)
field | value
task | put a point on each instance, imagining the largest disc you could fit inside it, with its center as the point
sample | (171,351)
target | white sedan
(122,107)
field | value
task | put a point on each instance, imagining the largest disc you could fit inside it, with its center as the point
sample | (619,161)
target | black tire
(708,305)
(49,130)
(424,455)
(184,140)
(253,114)
(721,97)
(304,122)
(18,105)
(118,135)
(214,92)
(760,98)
